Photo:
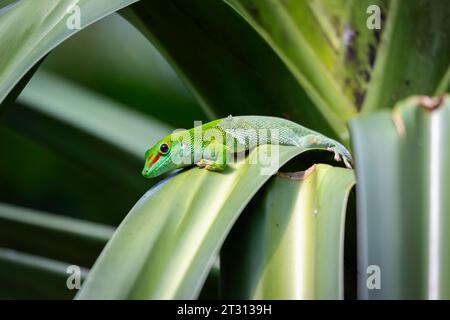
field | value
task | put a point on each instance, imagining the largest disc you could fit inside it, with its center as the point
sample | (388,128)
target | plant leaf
(173,234)
(32,28)
(290,243)
(414,53)
(227,74)
(403,217)
(323,43)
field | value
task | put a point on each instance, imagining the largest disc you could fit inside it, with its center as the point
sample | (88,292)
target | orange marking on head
(154,160)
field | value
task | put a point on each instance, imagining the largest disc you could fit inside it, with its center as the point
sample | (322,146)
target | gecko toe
(201,164)
(347,163)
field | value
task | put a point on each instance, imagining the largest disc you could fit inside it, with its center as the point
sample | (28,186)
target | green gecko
(208,146)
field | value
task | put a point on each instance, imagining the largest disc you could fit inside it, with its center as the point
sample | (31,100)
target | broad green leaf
(345,65)
(290,243)
(53,236)
(403,217)
(227,65)
(32,28)
(166,245)
(25,276)
(324,43)
(414,53)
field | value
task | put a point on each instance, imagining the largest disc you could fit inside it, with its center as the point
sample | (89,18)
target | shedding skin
(210,145)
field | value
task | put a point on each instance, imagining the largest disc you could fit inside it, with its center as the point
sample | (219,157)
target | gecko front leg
(214,157)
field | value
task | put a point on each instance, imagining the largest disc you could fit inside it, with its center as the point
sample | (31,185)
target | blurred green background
(38,175)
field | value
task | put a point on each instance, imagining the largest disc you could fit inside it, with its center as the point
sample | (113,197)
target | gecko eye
(164,148)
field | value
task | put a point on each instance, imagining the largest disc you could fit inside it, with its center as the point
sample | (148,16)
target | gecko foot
(215,167)
(202,163)
(337,157)
(347,163)
(340,156)
(211,165)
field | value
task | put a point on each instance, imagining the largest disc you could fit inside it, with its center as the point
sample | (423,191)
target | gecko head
(162,158)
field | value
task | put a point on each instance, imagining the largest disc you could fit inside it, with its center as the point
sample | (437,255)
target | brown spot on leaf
(350,54)
(430,103)
(371,55)
(254,12)
(286,115)
(366,75)
(398,123)
(349,38)
(383,15)
(359,97)
(377,36)
(299,175)
(394,97)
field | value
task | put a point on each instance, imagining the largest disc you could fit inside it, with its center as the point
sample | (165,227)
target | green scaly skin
(206,145)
